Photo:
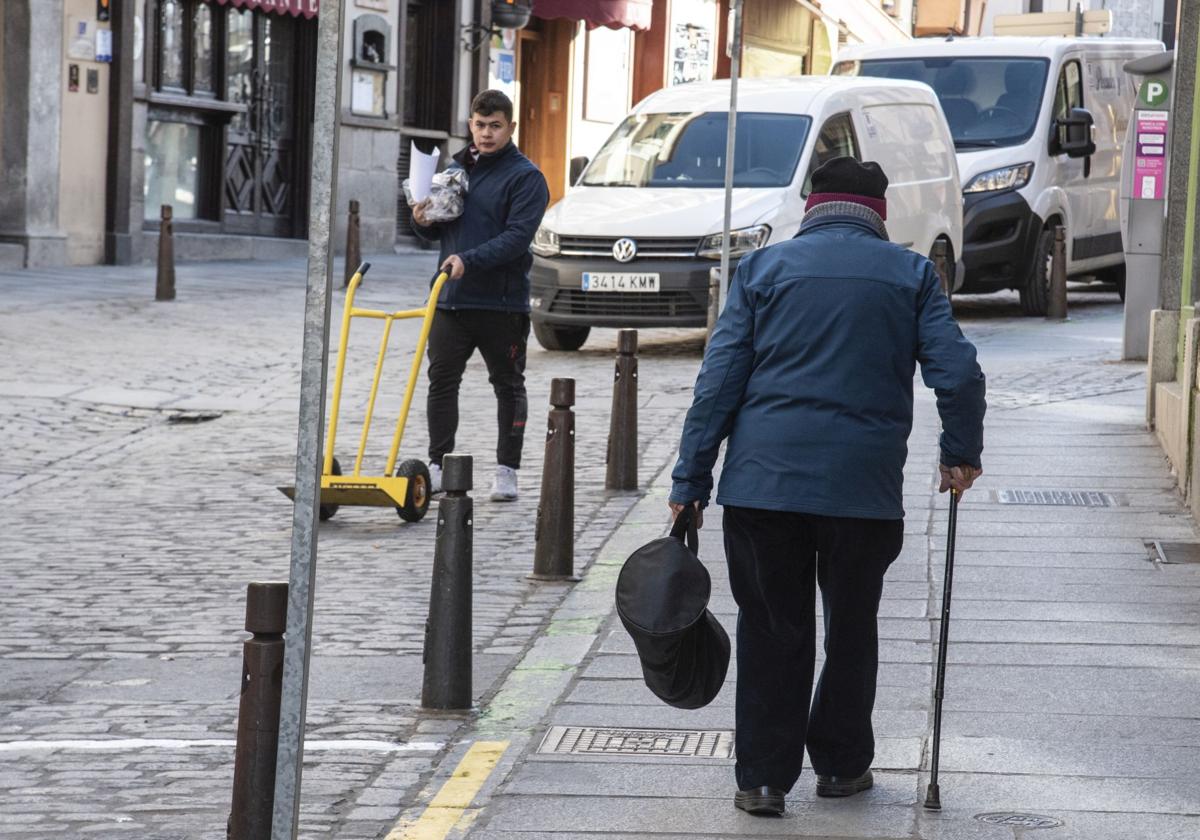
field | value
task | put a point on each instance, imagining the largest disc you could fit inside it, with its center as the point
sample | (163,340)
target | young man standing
(485,305)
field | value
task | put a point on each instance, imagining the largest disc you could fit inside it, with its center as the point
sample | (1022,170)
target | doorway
(542,112)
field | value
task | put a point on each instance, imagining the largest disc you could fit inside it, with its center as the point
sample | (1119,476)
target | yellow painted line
(455,796)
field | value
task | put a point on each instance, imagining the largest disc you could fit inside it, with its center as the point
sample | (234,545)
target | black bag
(662,599)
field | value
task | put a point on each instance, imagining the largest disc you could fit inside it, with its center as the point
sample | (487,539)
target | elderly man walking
(809,375)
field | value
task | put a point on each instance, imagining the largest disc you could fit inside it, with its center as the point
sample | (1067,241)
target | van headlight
(545,242)
(740,242)
(1007,178)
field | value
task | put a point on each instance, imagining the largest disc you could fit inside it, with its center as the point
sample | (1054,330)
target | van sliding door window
(835,140)
(1068,94)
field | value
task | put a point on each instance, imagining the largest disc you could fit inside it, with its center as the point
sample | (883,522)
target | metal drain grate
(1071,498)
(594,740)
(1177,552)
(1017,820)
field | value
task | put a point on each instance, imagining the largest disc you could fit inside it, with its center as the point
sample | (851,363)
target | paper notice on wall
(81,44)
(421,169)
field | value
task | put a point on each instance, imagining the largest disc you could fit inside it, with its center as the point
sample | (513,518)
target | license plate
(594,281)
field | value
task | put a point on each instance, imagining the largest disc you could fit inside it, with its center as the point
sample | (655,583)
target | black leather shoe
(760,800)
(843,786)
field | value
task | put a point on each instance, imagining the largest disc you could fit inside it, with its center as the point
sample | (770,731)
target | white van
(631,244)
(1038,124)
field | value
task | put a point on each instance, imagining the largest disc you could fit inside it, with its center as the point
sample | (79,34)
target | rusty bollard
(164,284)
(1056,308)
(622,473)
(258,712)
(941,262)
(554,537)
(353,253)
(447,680)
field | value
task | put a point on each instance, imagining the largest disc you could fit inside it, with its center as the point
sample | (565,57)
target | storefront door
(260,193)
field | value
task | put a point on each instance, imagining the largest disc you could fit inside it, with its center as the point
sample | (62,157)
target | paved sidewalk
(1072,692)
(131,526)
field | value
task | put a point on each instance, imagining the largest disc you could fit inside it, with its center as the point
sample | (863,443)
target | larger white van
(1038,124)
(631,244)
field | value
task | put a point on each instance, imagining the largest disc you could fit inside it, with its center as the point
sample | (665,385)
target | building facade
(114,109)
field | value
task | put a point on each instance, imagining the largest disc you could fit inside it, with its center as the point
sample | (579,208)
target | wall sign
(1150,163)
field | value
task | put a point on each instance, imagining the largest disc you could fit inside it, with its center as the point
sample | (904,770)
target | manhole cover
(1017,820)
(1177,552)
(592,740)
(1072,498)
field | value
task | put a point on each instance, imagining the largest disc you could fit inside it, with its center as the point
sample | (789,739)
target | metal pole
(313,369)
(554,538)
(164,284)
(353,252)
(447,658)
(735,61)
(258,712)
(622,457)
(714,302)
(1056,310)
(933,794)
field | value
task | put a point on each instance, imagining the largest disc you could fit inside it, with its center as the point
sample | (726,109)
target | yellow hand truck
(404,487)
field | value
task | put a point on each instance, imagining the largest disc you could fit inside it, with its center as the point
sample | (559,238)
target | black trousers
(501,338)
(775,561)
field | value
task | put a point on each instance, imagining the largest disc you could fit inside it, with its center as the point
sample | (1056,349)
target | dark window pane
(239,62)
(170,44)
(277,68)
(202,43)
(172,161)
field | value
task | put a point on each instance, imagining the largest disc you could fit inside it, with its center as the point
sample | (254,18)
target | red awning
(615,14)
(308,8)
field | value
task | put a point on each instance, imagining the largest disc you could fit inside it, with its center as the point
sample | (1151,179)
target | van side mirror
(1074,134)
(578,164)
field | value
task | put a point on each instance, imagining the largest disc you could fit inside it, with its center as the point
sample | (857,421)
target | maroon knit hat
(846,179)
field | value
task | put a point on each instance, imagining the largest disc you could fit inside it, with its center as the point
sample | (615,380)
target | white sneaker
(504,488)
(435,479)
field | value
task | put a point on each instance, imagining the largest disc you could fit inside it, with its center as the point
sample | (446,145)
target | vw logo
(624,250)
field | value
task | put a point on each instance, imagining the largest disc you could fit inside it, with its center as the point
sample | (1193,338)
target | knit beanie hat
(846,179)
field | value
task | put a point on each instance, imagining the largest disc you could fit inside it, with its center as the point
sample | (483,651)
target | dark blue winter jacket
(810,375)
(506,198)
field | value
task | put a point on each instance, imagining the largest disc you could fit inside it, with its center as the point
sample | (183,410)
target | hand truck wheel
(327,511)
(416,501)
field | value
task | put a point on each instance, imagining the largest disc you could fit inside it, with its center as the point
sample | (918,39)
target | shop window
(202,49)
(172,168)
(184,59)
(171,44)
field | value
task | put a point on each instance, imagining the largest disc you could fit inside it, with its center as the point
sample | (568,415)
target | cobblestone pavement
(145,444)
(128,540)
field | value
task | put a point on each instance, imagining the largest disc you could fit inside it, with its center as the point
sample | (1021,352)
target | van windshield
(688,150)
(987,101)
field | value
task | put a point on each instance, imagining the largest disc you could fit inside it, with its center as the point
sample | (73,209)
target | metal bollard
(714,302)
(164,284)
(1056,306)
(941,262)
(353,253)
(554,537)
(258,713)
(447,659)
(622,457)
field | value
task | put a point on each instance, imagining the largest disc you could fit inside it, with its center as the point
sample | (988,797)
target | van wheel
(950,267)
(1035,293)
(560,338)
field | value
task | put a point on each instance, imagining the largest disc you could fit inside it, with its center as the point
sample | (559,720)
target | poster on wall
(502,63)
(691,53)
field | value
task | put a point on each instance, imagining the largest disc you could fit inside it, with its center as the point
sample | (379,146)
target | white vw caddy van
(1038,124)
(631,244)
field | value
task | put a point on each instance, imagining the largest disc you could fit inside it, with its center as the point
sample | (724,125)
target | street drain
(593,740)
(1070,498)
(1177,552)
(1017,820)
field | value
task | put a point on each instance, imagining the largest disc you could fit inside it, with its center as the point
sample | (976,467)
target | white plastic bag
(447,195)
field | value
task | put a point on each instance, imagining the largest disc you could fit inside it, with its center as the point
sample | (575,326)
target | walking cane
(933,795)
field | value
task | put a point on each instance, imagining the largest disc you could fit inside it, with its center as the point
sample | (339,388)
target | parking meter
(1143,197)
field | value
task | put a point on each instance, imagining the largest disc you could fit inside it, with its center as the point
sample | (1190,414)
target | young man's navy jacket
(506,198)
(810,375)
